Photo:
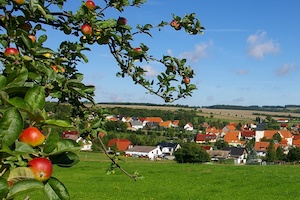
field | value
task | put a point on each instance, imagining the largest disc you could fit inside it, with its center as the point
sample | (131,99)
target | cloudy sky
(249,53)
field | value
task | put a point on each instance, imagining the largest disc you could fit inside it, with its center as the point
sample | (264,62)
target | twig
(114,162)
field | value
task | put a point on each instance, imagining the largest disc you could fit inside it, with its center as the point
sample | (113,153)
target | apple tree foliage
(37,72)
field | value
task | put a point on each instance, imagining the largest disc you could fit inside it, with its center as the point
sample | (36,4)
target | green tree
(219,144)
(191,153)
(293,155)
(280,153)
(271,152)
(277,137)
(32,71)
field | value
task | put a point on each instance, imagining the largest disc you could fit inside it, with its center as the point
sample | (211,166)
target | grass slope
(169,180)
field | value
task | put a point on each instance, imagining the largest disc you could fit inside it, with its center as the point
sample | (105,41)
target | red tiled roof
(296,143)
(248,133)
(286,133)
(230,127)
(122,144)
(203,137)
(153,119)
(231,136)
(212,130)
(268,134)
(296,137)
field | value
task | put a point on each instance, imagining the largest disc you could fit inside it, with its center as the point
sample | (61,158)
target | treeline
(286,108)
(148,104)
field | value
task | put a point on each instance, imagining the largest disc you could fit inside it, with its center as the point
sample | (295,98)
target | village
(235,139)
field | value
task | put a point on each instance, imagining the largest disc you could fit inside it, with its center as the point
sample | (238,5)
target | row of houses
(166,150)
(136,123)
(162,150)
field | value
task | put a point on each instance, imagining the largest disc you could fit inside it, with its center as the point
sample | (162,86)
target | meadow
(169,180)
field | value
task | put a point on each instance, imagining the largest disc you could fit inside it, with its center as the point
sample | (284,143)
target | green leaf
(33,4)
(57,122)
(3,187)
(64,145)
(24,187)
(23,148)
(2,82)
(67,159)
(35,97)
(18,78)
(40,8)
(51,142)
(19,174)
(42,39)
(27,41)
(11,126)
(19,103)
(55,190)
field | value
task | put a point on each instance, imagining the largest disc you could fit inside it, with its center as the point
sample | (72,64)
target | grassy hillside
(168,180)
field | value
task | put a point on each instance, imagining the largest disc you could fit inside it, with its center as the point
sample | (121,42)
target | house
(229,127)
(248,134)
(136,124)
(262,147)
(151,152)
(296,141)
(207,148)
(239,155)
(188,127)
(73,135)
(165,124)
(267,134)
(168,148)
(152,120)
(287,135)
(203,138)
(122,144)
(212,130)
(233,138)
(175,124)
(86,145)
(217,155)
(282,120)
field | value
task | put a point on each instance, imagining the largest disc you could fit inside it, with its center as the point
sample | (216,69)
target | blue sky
(248,55)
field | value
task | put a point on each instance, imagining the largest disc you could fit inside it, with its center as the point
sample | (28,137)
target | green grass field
(168,180)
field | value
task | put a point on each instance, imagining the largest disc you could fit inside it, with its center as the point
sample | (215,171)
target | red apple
(90,4)
(11,51)
(122,21)
(138,49)
(32,136)
(186,80)
(41,168)
(20,2)
(86,29)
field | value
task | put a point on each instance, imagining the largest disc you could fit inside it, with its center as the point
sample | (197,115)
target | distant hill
(285,109)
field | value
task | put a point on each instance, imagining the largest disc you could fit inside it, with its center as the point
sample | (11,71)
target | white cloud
(200,51)
(284,69)
(260,45)
(150,71)
(169,51)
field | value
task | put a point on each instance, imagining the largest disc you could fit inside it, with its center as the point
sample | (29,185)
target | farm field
(223,114)
(168,180)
